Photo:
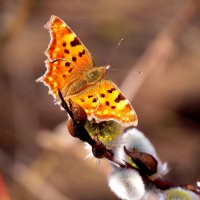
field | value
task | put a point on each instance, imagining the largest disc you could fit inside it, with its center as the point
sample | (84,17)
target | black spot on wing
(74,58)
(66,51)
(119,98)
(64,44)
(94,100)
(111,90)
(81,53)
(67,64)
(75,42)
(107,103)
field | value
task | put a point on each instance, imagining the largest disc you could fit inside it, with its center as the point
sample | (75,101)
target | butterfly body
(70,69)
(87,78)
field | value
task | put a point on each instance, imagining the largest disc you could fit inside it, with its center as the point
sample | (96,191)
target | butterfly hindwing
(87,100)
(113,105)
(104,101)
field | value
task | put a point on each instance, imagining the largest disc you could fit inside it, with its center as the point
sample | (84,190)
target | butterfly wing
(59,73)
(87,100)
(67,56)
(104,101)
(65,44)
(112,105)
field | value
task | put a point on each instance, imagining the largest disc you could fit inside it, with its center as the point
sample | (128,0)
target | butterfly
(70,69)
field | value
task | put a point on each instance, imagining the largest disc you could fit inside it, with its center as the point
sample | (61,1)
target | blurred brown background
(38,159)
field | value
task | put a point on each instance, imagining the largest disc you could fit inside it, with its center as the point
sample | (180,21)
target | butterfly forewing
(104,101)
(59,73)
(65,44)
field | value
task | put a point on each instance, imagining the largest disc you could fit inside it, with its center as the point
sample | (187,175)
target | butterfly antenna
(126,70)
(113,51)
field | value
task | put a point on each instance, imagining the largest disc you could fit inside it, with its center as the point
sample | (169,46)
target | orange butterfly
(70,69)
